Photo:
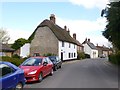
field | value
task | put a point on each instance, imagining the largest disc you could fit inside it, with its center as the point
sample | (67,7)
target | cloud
(114,0)
(86,29)
(16,34)
(90,3)
(83,29)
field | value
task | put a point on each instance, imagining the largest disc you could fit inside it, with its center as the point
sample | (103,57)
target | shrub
(15,61)
(81,55)
(49,54)
(115,58)
(15,56)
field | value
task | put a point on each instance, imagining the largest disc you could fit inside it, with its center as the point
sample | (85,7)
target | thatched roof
(59,32)
(104,48)
(6,48)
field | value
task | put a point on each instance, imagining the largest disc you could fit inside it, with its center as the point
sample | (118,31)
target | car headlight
(33,72)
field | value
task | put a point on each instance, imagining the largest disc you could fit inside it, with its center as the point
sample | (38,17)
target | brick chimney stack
(52,18)
(74,36)
(88,40)
(65,27)
(68,31)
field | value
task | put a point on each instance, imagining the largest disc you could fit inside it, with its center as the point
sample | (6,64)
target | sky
(83,17)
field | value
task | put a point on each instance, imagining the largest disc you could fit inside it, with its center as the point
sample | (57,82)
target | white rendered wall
(25,50)
(66,50)
(92,52)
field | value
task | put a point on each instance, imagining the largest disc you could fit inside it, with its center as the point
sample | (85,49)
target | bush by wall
(49,54)
(115,58)
(16,56)
(15,61)
(81,55)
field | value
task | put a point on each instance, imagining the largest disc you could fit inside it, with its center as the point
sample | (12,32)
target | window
(74,46)
(69,45)
(48,60)
(6,69)
(69,55)
(63,44)
(74,55)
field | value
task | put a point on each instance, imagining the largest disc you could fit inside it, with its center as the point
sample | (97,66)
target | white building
(67,50)
(25,50)
(90,48)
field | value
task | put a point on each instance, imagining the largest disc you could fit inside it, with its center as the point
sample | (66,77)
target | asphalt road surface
(88,73)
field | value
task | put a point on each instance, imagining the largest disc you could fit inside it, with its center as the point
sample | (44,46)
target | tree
(19,43)
(112,30)
(4,37)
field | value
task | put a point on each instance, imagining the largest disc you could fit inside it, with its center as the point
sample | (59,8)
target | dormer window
(69,45)
(74,46)
(63,44)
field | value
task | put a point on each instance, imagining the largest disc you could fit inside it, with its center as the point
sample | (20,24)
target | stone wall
(44,42)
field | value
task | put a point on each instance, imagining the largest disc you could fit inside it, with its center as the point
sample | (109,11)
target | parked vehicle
(35,68)
(11,76)
(102,56)
(36,54)
(57,63)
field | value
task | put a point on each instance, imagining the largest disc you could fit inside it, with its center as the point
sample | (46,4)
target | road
(88,73)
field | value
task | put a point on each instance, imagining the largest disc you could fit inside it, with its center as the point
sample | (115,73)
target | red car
(35,68)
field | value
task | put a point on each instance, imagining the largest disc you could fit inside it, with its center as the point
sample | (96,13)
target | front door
(61,56)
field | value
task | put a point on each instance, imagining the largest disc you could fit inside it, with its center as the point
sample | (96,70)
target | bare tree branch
(4,37)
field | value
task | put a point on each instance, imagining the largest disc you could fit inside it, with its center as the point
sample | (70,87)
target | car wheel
(19,86)
(51,72)
(60,66)
(55,68)
(40,77)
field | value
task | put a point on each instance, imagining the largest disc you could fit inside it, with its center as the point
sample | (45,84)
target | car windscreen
(32,62)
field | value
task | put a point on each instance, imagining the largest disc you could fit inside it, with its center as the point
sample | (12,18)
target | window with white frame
(63,44)
(69,45)
(74,55)
(74,46)
(69,55)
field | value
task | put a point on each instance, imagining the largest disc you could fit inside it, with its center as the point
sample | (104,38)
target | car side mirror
(45,64)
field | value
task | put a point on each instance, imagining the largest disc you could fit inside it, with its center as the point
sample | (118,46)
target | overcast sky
(20,18)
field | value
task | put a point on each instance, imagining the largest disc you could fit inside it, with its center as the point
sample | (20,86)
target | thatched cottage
(48,37)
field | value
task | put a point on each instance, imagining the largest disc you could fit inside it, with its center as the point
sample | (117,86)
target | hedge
(81,55)
(15,61)
(115,58)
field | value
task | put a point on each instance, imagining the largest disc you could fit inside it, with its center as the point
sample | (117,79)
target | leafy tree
(112,30)
(19,43)
(4,37)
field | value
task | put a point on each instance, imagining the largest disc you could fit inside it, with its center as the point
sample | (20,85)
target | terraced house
(48,37)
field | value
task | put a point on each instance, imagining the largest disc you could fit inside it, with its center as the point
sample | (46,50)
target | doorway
(62,56)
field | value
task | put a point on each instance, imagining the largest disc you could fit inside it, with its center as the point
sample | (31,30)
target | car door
(59,61)
(45,67)
(9,76)
(49,65)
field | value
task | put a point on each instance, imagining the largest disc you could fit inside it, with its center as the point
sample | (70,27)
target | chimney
(97,44)
(65,27)
(52,18)
(88,40)
(74,36)
(68,31)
